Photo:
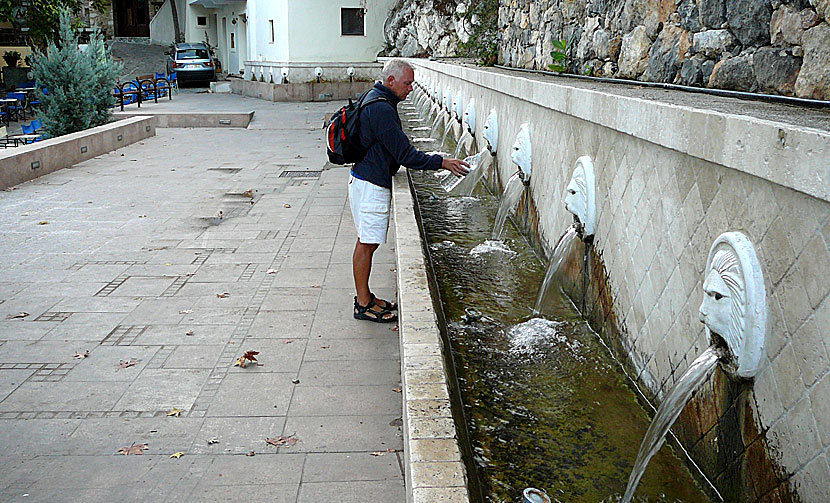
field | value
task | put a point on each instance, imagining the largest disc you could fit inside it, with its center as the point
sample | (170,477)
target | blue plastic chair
(173,79)
(17,111)
(37,124)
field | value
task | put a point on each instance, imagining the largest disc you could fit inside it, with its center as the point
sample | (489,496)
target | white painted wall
(314,31)
(161,26)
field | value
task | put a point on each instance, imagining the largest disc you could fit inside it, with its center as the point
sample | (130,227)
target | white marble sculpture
(458,106)
(491,131)
(580,198)
(734,302)
(522,152)
(470,116)
(448,101)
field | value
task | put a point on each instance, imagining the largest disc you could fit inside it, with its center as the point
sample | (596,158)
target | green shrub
(80,82)
(484,41)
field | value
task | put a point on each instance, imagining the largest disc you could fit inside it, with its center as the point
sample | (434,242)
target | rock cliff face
(427,28)
(771,46)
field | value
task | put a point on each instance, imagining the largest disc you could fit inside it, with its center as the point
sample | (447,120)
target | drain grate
(301,174)
(226,170)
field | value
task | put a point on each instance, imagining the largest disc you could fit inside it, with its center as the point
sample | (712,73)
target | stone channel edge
(434,469)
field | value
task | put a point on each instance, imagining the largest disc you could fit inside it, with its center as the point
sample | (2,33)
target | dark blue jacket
(389,147)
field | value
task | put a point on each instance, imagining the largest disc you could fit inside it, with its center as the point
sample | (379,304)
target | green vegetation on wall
(484,41)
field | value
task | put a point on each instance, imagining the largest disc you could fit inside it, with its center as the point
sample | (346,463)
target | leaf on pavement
(177,455)
(133,449)
(174,413)
(287,341)
(21,314)
(248,193)
(281,441)
(43,222)
(185,311)
(397,390)
(213,440)
(271,271)
(243,360)
(122,364)
(287,205)
(81,356)
(378,453)
(189,332)
(223,295)
(252,453)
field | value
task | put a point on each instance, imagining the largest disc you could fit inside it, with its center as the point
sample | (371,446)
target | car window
(192,54)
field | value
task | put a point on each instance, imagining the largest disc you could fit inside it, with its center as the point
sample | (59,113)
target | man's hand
(456,166)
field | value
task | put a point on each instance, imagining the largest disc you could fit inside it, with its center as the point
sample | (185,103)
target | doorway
(132,18)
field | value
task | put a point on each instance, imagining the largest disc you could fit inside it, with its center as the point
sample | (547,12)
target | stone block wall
(662,199)
(777,47)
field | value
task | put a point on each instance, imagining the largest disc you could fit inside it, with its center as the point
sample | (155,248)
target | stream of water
(667,414)
(560,253)
(509,200)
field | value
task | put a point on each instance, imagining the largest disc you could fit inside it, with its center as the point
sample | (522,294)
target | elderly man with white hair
(370,183)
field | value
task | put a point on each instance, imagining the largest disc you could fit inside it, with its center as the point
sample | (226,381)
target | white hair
(394,67)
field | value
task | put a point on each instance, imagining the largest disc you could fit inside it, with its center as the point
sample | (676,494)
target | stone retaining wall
(24,163)
(669,179)
(325,91)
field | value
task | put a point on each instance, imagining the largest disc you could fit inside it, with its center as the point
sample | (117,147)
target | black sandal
(367,313)
(388,306)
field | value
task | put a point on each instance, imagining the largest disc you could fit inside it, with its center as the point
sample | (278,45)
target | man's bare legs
(361,268)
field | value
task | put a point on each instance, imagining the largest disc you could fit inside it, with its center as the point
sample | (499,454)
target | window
(351,21)
(271,23)
(201,20)
(233,41)
(192,54)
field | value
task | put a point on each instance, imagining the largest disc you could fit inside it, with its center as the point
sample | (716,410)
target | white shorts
(370,210)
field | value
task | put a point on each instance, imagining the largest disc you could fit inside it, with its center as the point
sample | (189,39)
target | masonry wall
(663,196)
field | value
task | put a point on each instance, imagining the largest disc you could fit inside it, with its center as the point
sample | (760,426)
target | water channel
(544,402)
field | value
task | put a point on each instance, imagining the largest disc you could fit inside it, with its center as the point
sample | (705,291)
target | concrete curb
(434,469)
(194,119)
(28,162)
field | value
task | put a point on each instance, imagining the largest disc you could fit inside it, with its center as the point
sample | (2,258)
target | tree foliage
(79,82)
(41,17)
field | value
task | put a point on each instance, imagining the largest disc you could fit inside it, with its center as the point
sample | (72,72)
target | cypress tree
(79,83)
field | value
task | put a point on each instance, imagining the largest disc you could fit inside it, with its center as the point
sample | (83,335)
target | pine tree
(79,82)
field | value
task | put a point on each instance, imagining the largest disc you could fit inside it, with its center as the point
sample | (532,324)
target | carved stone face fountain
(458,106)
(470,116)
(580,198)
(521,154)
(491,131)
(734,307)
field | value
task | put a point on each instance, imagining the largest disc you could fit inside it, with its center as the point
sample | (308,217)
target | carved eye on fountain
(734,307)
(521,154)
(470,116)
(580,197)
(491,131)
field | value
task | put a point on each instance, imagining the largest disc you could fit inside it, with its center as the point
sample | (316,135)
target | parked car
(193,62)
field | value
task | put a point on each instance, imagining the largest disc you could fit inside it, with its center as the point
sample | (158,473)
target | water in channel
(544,403)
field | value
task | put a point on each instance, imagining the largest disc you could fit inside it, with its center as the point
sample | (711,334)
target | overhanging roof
(214,4)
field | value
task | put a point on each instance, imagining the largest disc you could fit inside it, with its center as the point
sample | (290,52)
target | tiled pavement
(124,256)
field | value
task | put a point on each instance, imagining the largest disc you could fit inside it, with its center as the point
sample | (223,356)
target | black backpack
(343,132)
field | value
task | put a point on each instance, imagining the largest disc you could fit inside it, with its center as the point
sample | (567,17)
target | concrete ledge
(21,164)
(792,156)
(308,91)
(194,119)
(432,457)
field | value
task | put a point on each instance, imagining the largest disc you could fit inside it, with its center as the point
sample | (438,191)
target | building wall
(663,195)
(314,31)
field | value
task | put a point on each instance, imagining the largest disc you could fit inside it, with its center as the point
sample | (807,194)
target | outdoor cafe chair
(6,141)
(17,110)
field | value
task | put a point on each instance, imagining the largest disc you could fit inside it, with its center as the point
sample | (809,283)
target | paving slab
(134,265)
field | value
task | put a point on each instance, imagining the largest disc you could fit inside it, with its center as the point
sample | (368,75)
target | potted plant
(11,58)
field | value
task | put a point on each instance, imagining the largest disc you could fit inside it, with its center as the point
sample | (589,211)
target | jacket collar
(386,93)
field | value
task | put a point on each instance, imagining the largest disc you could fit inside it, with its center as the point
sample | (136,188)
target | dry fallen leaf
(133,449)
(271,271)
(213,440)
(248,193)
(122,364)
(324,347)
(42,222)
(175,413)
(243,360)
(189,332)
(287,205)
(281,441)
(378,453)
(287,341)
(252,453)
(185,311)
(177,455)
(223,295)
(396,390)
(295,381)
(21,314)
(81,356)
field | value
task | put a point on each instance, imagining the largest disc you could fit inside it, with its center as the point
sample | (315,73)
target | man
(370,183)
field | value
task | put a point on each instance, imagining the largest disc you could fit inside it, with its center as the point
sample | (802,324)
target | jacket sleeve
(389,134)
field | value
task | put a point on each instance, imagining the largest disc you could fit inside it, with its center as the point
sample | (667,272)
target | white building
(262,38)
